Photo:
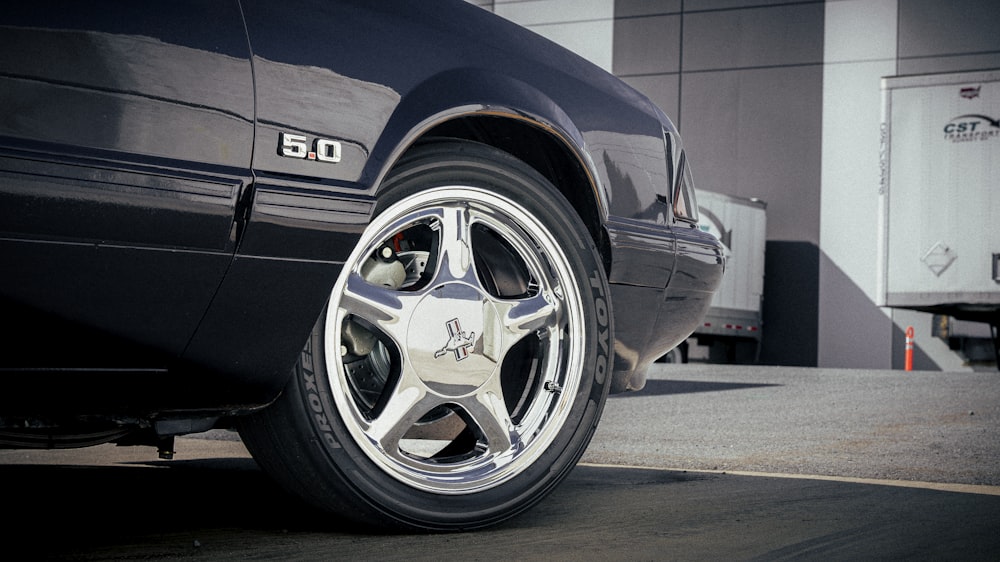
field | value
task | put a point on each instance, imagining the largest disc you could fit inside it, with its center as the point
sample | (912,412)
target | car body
(183,184)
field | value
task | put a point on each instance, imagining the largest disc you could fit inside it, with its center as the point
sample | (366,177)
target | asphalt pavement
(707,463)
(893,425)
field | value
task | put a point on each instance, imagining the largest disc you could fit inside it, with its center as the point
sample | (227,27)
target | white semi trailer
(732,329)
(939,231)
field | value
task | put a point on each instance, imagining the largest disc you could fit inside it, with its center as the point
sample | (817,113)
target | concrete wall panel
(633,8)
(756,37)
(649,45)
(756,133)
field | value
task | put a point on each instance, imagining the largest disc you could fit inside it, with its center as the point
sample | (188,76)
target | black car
(405,248)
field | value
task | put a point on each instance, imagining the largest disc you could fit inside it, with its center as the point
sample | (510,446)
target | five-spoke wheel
(461,366)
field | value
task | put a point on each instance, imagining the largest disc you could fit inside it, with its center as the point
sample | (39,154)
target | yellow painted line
(939,486)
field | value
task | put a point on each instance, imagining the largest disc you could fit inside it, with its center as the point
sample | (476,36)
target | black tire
(677,355)
(460,369)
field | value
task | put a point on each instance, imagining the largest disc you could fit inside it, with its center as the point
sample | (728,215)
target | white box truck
(732,329)
(939,196)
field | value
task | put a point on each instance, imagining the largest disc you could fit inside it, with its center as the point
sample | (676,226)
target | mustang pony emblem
(458,341)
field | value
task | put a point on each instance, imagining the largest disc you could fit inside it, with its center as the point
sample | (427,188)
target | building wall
(859,49)
(780,100)
(583,26)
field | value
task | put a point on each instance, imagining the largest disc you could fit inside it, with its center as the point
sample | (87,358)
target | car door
(125,144)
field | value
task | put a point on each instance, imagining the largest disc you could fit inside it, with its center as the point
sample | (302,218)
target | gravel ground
(924,426)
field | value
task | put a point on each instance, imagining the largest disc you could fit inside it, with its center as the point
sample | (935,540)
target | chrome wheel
(461,364)
(455,375)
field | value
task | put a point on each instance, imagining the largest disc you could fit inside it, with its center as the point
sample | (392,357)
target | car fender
(469,92)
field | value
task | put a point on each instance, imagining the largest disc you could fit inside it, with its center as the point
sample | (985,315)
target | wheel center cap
(453,339)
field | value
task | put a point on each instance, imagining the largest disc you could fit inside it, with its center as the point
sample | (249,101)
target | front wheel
(461,366)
